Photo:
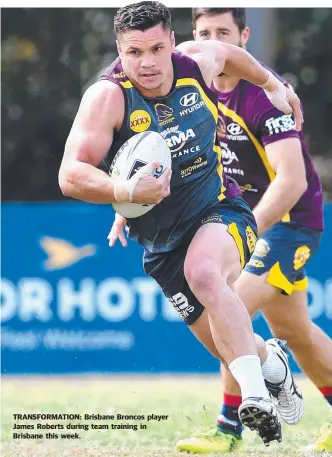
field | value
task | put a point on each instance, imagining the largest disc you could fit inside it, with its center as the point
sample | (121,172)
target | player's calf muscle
(298,337)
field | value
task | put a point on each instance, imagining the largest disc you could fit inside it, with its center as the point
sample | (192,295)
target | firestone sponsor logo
(280,124)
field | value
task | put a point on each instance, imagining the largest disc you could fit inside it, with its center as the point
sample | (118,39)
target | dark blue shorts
(283,251)
(168,268)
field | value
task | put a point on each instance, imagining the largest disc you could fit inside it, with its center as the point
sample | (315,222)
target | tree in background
(304,56)
(49,56)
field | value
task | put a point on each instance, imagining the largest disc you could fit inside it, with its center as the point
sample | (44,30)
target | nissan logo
(189,99)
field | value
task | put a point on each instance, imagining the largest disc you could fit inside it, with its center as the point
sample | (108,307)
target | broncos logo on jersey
(164,113)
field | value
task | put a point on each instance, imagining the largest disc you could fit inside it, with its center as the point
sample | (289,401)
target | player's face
(220,27)
(146,56)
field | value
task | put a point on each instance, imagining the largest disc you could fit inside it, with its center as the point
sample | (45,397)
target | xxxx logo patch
(140,120)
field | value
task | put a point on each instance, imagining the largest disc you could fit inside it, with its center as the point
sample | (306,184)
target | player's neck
(225,83)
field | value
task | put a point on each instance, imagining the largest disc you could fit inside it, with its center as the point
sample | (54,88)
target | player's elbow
(302,185)
(299,186)
(293,180)
(64,184)
(66,178)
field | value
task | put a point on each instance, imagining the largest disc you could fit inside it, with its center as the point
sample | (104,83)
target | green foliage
(304,54)
(50,56)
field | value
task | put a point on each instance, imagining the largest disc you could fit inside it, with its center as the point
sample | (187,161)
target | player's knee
(202,276)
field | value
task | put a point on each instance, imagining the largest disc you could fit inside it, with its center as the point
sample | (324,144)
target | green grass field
(180,398)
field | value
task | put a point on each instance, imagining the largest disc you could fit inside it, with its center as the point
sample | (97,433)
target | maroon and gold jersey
(247,123)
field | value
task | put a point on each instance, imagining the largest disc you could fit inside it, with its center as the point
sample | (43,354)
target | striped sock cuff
(327,392)
(232,400)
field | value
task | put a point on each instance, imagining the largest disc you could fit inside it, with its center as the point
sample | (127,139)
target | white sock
(273,368)
(248,373)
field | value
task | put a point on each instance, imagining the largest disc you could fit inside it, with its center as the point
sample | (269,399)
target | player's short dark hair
(142,16)
(239,15)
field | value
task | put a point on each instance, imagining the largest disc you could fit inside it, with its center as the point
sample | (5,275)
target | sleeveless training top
(187,119)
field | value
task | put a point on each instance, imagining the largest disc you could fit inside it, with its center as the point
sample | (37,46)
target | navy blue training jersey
(186,118)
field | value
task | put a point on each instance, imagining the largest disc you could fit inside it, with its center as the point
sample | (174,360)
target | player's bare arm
(89,140)
(215,57)
(88,143)
(286,158)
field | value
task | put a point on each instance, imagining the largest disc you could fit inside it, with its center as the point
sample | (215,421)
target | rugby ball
(139,150)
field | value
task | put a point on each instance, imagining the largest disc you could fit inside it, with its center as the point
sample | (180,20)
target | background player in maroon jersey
(270,161)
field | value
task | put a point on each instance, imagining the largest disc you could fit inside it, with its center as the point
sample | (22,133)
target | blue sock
(228,420)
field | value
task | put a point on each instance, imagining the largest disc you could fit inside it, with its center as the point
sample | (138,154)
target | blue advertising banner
(69,303)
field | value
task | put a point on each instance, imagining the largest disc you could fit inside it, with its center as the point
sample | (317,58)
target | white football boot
(261,414)
(286,395)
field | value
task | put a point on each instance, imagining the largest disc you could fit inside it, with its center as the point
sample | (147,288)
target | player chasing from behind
(200,235)
(269,159)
